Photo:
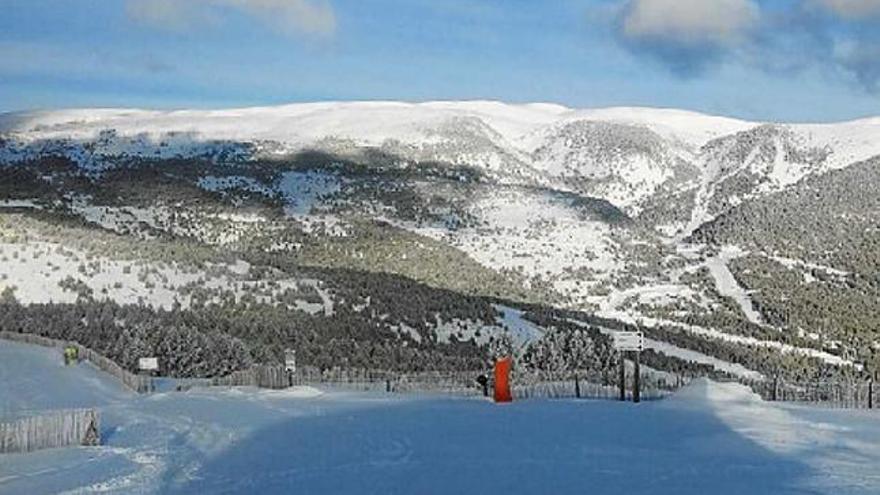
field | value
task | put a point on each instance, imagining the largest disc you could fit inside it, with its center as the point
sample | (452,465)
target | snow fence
(58,429)
(137,383)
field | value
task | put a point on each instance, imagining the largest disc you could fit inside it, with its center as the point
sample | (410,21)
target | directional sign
(290,360)
(629,341)
(148,364)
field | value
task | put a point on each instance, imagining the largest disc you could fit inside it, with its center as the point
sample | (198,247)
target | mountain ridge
(604,211)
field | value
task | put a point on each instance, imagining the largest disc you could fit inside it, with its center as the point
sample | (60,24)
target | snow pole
(636,378)
(502,380)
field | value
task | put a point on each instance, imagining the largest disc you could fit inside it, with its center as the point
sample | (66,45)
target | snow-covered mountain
(636,214)
(624,155)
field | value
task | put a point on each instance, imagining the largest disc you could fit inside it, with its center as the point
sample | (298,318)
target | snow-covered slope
(709,438)
(595,210)
(624,155)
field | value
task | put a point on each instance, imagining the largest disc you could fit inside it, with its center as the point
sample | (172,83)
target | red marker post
(502,380)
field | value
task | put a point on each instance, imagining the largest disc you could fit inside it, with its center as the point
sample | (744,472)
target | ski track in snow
(727,285)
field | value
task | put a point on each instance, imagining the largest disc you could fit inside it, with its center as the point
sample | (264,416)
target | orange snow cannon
(502,380)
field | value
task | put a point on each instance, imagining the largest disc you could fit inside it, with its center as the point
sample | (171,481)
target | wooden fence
(526,386)
(359,379)
(56,429)
(535,385)
(274,377)
(137,383)
(838,394)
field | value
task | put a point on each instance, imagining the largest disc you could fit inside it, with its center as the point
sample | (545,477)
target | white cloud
(852,9)
(312,17)
(308,16)
(689,21)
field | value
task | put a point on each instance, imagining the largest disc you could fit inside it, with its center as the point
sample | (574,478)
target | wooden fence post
(93,435)
(577,387)
(871,394)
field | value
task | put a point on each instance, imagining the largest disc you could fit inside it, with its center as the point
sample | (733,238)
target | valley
(337,228)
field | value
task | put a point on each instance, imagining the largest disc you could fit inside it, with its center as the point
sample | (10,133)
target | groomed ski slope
(708,439)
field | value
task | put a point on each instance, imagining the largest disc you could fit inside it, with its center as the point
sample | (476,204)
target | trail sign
(290,360)
(148,364)
(629,341)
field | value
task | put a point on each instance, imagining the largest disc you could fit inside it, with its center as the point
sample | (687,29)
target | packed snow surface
(727,284)
(709,438)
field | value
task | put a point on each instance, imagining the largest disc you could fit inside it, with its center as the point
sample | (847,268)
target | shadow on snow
(468,446)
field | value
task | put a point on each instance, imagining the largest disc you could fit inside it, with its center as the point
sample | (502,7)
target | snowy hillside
(624,155)
(666,219)
(708,438)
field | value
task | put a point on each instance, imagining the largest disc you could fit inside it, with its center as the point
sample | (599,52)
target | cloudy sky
(794,60)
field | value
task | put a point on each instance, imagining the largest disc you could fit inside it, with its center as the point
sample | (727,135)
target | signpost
(148,364)
(290,365)
(290,360)
(633,342)
(629,341)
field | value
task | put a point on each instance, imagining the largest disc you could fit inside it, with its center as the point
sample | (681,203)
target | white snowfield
(518,128)
(366,122)
(709,438)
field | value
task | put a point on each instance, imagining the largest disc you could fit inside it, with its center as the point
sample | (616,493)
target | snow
(35,270)
(19,203)
(303,191)
(708,438)
(521,330)
(852,141)
(671,350)
(293,125)
(692,128)
(217,184)
(540,237)
(657,295)
(733,369)
(711,333)
(727,284)
(793,263)
(507,133)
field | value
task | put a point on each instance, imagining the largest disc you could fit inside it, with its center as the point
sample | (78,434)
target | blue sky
(795,60)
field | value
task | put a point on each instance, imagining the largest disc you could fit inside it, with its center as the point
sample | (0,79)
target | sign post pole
(290,365)
(626,342)
(636,378)
(149,366)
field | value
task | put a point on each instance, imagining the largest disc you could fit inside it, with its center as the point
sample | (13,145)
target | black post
(636,379)
(775,388)
(871,394)
(388,385)
(622,377)
(483,380)
(577,387)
